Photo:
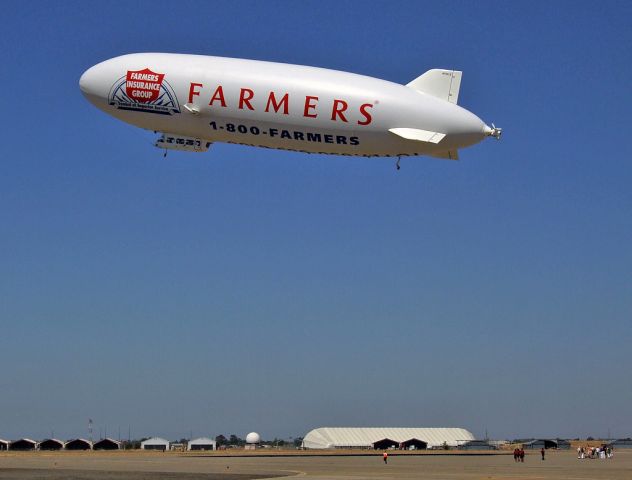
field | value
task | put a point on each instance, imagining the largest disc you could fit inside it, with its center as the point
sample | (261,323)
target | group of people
(519,454)
(602,452)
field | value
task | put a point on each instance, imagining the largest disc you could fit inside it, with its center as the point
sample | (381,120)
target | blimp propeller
(495,132)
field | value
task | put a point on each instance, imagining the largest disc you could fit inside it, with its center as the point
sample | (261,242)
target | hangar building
(155,443)
(107,444)
(23,444)
(4,445)
(477,445)
(547,443)
(51,444)
(382,438)
(78,444)
(621,443)
(203,443)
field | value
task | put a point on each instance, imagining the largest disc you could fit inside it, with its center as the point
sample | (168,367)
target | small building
(23,444)
(79,444)
(4,445)
(621,443)
(155,443)
(107,444)
(477,445)
(51,444)
(203,443)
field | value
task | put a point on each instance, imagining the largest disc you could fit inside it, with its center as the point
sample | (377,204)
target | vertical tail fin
(443,84)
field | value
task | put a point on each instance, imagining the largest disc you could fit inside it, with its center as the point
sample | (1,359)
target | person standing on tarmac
(385,457)
(542,452)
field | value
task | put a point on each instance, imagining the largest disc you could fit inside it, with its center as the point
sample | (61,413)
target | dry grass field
(137,465)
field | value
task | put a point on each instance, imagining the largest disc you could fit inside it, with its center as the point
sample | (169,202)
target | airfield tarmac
(172,466)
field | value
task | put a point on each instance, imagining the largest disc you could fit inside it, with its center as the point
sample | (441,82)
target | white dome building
(253,439)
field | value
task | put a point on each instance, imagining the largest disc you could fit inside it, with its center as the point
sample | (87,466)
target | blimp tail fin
(443,84)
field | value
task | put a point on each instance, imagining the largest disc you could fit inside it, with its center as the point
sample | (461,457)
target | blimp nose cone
(88,83)
(96,82)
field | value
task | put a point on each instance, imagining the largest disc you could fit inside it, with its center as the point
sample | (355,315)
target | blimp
(193,101)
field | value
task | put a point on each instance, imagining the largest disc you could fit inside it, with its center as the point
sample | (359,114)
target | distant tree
(221,440)
(235,440)
(278,442)
(590,439)
(131,444)
(298,441)
(445,446)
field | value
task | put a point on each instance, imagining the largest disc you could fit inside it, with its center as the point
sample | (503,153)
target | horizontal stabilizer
(418,135)
(443,84)
(449,155)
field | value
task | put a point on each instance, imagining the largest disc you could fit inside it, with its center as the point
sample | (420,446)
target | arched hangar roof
(78,444)
(155,443)
(51,444)
(23,444)
(365,437)
(202,441)
(107,444)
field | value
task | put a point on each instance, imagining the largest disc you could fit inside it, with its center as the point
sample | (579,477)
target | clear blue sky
(249,289)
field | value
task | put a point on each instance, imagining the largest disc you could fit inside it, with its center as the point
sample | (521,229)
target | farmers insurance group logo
(144,91)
